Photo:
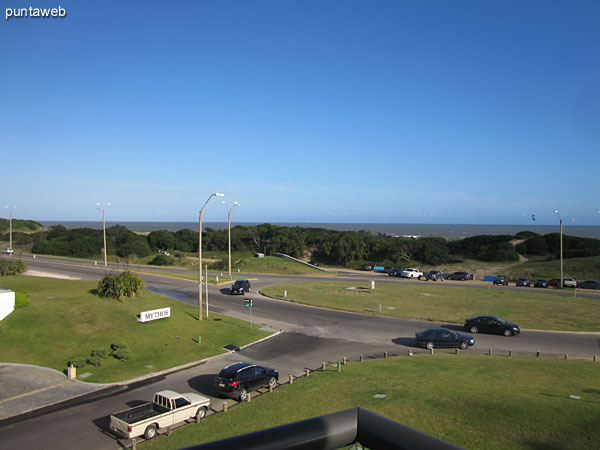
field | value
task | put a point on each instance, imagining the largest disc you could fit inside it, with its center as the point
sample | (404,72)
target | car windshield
(239,283)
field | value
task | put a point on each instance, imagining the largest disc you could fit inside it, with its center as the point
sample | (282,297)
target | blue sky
(321,111)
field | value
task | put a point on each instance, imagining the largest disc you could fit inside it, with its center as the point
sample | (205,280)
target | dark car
(443,337)
(491,324)
(240,287)
(567,282)
(523,281)
(236,380)
(395,272)
(501,279)
(540,283)
(434,275)
(461,276)
(367,267)
(554,282)
(314,263)
(590,284)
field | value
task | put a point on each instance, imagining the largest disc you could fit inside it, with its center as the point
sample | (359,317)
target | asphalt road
(311,335)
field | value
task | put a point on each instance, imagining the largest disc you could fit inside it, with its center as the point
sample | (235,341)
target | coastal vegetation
(330,247)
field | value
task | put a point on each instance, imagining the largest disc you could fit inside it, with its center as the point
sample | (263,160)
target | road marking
(34,392)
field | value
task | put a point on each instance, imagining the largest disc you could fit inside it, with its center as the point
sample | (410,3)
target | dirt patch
(35,273)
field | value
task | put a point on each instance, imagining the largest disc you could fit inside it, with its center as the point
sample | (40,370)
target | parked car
(540,284)
(491,324)
(523,281)
(501,279)
(8,251)
(367,267)
(166,409)
(395,272)
(411,273)
(554,282)
(434,275)
(443,337)
(240,287)
(590,284)
(461,276)
(313,263)
(569,282)
(236,380)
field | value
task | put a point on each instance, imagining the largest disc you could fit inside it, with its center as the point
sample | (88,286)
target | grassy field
(65,320)
(475,402)
(580,268)
(535,310)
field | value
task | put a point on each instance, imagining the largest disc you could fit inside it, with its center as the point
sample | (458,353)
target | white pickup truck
(167,408)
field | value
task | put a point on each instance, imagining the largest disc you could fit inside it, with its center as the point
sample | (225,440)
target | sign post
(248,304)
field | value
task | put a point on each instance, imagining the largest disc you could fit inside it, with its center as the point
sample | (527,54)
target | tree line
(345,248)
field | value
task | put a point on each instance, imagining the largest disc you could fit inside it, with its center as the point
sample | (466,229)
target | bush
(77,362)
(98,353)
(162,260)
(126,284)
(11,267)
(21,300)
(119,346)
(94,361)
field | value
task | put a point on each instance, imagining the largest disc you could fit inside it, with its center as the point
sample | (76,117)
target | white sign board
(147,316)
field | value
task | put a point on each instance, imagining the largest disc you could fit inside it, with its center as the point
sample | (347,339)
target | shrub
(120,354)
(126,284)
(94,361)
(77,362)
(21,300)
(162,260)
(119,346)
(98,353)
(11,267)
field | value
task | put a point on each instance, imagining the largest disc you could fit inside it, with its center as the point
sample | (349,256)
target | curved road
(311,335)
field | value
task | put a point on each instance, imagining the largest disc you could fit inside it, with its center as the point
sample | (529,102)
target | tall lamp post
(10,208)
(216,194)
(100,206)
(561,247)
(229,209)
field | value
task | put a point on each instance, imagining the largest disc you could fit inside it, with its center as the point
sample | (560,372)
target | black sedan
(443,337)
(491,324)
(236,380)
(240,287)
(523,282)
(540,284)
(589,284)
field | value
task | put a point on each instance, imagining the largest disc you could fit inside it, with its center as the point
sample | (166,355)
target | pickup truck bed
(139,413)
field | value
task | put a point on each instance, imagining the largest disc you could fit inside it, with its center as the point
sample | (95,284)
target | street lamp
(229,208)
(100,206)
(10,208)
(561,247)
(216,194)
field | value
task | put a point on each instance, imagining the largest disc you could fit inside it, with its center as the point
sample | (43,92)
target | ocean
(451,231)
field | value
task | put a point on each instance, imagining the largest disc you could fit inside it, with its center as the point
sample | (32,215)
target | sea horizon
(453,231)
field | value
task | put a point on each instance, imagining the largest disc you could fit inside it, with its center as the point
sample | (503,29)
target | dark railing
(333,431)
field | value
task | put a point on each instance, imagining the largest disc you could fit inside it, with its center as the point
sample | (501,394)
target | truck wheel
(201,413)
(150,432)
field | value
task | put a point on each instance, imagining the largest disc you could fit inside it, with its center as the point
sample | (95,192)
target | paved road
(312,335)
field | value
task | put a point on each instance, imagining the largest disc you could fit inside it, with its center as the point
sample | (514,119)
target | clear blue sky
(324,111)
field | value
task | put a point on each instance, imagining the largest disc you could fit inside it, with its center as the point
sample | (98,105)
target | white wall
(7,303)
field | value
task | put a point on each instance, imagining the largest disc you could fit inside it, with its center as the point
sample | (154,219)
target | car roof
(236,367)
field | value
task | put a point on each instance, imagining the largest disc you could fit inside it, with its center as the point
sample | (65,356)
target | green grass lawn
(534,310)
(580,268)
(475,402)
(65,320)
